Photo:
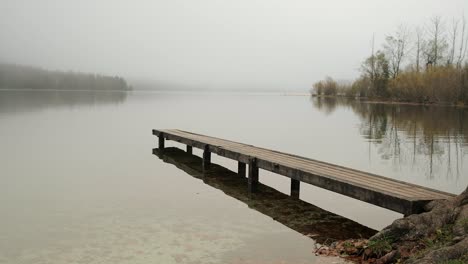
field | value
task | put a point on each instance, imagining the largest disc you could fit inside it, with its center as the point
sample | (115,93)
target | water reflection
(433,138)
(296,214)
(30,101)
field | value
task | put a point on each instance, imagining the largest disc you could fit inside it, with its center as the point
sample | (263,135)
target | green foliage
(374,79)
(348,244)
(376,70)
(440,238)
(25,77)
(381,246)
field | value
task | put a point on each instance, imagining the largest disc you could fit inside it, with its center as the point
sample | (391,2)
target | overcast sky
(265,44)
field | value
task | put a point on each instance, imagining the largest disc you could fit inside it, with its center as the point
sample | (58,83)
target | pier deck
(394,195)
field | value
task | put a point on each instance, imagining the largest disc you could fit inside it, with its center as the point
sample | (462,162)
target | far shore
(390,101)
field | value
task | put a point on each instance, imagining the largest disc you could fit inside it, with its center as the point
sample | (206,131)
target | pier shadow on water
(305,218)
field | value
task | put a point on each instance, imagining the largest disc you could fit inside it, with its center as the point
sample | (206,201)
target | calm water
(78,182)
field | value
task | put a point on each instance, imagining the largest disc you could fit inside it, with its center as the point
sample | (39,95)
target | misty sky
(266,44)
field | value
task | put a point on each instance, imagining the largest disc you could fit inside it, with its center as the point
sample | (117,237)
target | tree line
(27,77)
(424,64)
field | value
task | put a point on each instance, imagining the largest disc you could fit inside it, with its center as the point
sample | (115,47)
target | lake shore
(368,100)
(439,235)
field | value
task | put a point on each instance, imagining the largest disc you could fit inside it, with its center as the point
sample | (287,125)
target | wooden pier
(394,195)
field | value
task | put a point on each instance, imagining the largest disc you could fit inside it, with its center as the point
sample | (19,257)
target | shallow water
(79,182)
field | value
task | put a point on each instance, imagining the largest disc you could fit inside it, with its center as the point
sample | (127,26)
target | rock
(416,227)
(322,251)
(390,257)
(404,252)
(367,253)
(436,236)
(361,243)
(457,251)
(351,250)
(339,248)
(461,223)
(462,199)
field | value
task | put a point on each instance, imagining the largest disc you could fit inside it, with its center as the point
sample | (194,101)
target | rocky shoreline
(439,235)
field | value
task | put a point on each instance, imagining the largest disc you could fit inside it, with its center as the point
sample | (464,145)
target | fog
(242,44)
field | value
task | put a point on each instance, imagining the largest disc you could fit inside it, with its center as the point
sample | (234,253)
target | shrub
(437,84)
(326,87)
(361,87)
(380,247)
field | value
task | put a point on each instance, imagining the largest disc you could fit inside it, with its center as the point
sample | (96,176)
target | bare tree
(396,48)
(463,44)
(372,61)
(453,41)
(436,44)
(419,45)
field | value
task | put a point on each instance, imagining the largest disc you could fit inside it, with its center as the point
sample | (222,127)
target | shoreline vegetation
(439,235)
(424,65)
(19,77)
(387,101)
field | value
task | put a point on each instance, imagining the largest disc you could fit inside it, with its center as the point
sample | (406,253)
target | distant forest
(27,77)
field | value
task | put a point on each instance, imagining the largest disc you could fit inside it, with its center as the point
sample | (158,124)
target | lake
(79,182)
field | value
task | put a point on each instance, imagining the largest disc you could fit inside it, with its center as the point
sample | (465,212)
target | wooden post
(189,149)
(253,175)
(241,168)
(206,157)
(161,141)
(295,187)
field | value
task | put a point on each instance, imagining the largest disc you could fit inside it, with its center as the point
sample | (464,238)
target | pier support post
(161,141)
(253,175)
(189,149)
(295,187)
(241,168)
(206,157)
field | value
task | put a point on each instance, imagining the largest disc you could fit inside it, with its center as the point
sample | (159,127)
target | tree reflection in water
(427,137)
(30,101)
